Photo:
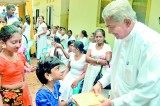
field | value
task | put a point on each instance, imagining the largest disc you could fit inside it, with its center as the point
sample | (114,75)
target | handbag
(99,76)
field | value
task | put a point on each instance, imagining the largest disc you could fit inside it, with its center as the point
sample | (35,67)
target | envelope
(87,99)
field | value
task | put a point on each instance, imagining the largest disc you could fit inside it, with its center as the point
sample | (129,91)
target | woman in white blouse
(75,71)
(42,38)
(97,55)
(84,39)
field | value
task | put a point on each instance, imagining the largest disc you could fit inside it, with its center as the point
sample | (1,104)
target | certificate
(87,99)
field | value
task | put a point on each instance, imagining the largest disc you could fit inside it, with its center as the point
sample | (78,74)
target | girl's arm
(64,52)
(31,67)
(89,59)
(1,101)
(75,83)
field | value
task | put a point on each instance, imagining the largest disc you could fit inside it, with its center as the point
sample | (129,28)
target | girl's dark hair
(27,17)
(57,39)
(93,34)
(84,32)
(20,19)
(7,32)
(42,17)
(19,25)
(35,29)
(2,16)
(44,66)
(79,45)
(70,42)
(55,27)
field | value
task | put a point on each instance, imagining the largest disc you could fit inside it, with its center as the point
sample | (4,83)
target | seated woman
(98,55)
(75,71)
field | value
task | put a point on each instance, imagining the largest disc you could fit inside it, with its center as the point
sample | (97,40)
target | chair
(78,89)
(44,52)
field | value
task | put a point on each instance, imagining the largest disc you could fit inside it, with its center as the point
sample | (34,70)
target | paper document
(87,99)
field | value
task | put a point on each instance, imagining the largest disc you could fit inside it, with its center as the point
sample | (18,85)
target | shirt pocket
(130,75)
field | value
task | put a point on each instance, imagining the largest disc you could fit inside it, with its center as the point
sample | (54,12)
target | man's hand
(106,102)
(97,88)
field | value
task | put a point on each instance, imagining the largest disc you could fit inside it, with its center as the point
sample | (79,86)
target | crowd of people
(65,60)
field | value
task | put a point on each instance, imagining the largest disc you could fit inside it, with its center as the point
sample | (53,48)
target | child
(49,71)
(3,22)
(23,48)
(12,69)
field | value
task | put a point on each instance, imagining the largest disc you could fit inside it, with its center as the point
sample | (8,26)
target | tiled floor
(33,82)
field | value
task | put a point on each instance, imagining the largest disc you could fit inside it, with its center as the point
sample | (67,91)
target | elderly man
(135,66)
(10,14)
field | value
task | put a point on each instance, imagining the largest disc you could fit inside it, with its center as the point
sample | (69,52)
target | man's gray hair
(9,6)
(119,10)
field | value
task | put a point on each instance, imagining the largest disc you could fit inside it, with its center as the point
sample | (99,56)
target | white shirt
(135,74)
(40,28)
(85,42)
(71,38)
(65,41)
(11,20)
(27,31)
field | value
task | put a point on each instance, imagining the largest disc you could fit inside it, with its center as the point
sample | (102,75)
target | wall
(41,5)
(83,16)
(59,10)
(154,15)
(64,13)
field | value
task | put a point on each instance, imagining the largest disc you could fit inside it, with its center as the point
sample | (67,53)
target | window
(101,6)
(141,7)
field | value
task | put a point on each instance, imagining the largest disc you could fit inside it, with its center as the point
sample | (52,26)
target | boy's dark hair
(7,32)
(44,66)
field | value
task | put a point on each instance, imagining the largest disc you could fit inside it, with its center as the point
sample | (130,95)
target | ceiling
(12,1)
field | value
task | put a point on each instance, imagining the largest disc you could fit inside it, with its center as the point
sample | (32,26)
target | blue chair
(78,89)
(44,52)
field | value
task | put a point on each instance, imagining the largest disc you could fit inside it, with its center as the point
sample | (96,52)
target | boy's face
(57,72)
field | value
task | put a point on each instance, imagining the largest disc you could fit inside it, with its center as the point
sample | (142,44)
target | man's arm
(148,82)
